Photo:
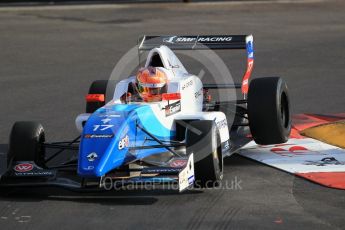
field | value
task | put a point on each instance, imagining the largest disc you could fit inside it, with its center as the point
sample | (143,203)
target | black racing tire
(26,142)
(269,110)
(97,87)
(203,140)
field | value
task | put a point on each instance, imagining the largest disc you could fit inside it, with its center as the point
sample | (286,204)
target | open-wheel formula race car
(180,139)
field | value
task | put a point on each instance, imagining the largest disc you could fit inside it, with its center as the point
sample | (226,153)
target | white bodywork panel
(186,176)
(169,59)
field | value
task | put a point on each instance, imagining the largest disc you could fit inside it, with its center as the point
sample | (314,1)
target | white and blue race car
(181,139)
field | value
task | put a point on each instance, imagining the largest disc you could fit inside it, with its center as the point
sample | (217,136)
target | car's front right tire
(26,142)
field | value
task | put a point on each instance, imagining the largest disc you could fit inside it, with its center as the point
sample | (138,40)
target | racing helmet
(152,83)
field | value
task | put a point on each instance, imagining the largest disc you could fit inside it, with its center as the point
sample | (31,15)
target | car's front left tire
(203,140)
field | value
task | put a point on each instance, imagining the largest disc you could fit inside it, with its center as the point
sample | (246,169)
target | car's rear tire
(203,140)
(26,142)
(97,87)
(269,110)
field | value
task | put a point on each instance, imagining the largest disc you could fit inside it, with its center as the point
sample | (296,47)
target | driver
(152,83)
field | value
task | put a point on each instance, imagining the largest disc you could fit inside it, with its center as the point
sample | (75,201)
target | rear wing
(200,42)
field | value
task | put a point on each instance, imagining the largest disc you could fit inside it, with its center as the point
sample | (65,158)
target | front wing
(178,174)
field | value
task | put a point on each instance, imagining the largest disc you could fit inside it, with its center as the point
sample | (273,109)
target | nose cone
(104,140)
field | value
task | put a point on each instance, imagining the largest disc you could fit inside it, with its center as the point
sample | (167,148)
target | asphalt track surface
(49,56)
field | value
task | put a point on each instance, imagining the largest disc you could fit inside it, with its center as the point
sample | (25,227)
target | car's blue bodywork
(111,131)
